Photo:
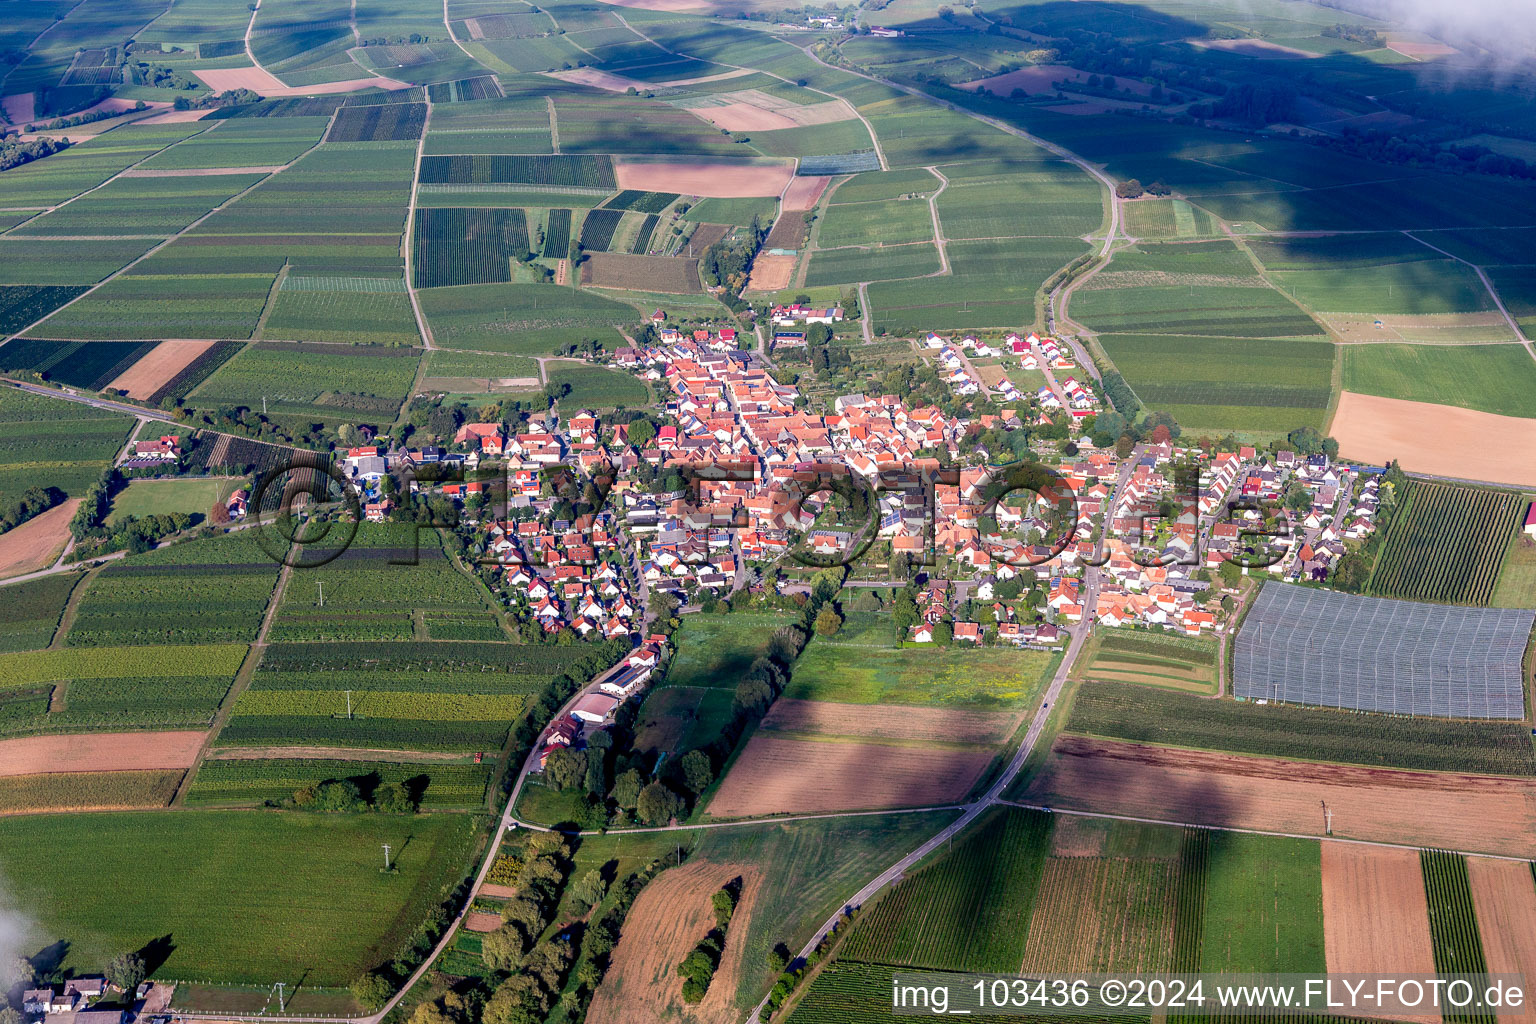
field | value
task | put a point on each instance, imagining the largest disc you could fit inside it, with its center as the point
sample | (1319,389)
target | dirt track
(163,362)
(36,543)
(1375,917)
(99,752)
(1376,429)
(777,775)
(672,914)
(1200,787)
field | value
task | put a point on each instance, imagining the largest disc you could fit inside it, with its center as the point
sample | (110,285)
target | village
(607,526)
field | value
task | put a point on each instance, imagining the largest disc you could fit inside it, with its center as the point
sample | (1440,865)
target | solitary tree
(658,804)
(698,773)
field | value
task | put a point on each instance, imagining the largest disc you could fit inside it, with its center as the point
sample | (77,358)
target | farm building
(1305,646)
(594,708)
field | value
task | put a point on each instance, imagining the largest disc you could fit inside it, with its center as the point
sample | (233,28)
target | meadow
(326,915)
(1500,379)
(599,388)
(1144,714)
(924,675)
(875,223)
(993,285)
(715,650)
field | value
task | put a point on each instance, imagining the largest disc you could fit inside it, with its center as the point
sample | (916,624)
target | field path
(334,754)
(72,607)
(1482,275)
(939,241)
(554,125)
(408,242)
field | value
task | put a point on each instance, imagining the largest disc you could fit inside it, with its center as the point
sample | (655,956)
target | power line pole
(386,855)
(1327,819)
(322,592)
(349,718)
(282,1003)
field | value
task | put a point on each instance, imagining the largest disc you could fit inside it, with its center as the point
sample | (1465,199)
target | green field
(1516,586)
(160,497)
(524,319)
(338,383)
(1144,714)
(50,443)
(1499,379)
(1445,543)
(307,888)
(241,781)
(715,650)
(875,223)
(598,387)
(1263,905)
(924,675)
(33,610)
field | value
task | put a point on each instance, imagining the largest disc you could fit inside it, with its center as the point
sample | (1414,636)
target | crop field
(49,443)
(1263,905)
(1445,543)
(1228,311)
(990,199)
(599,387)
(1238,384)
(330,382)
(88,791)
(191,871)
(664,274)
(342,311)
(1516,587)
(946,677)
(429,695)
(1500,379)
(32,611)
(848,266)
(1364,932)
(557,235)
(117,687)
(243,142)
(164,306)
(90,366)
(1143,714)
(198,592)
(522,319)
(641,202)
(23,305)
(141,206)
(597,229)
(52,181)
(1452,917)
(875,223)
(1167,218)
(58,261)
(585,171)
(970,910)
(1154,660)
(468,246)
(993,285)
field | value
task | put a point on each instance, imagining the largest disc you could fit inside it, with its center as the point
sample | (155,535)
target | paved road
(94,402)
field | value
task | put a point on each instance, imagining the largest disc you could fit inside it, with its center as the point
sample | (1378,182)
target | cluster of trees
(1308,441)
(697,969)
(228,98)
(1355,34)
(602,936)
(1419,151)
(14,152)
(359,795)
(159,76)
(1134,189)
(726,263)
(525,916)
(34,501)
(1253,103)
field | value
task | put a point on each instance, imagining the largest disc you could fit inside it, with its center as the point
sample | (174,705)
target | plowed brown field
(704,177)
(1204,788)
(777,775)
(99,752)
(883,721)
(163,362)
(1375,917)
(1505,899)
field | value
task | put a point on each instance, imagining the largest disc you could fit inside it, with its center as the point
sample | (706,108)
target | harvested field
(672,274)
(259,80)
(1375,913)
(1419,329)
(597,79)
(771,273)
(99,752)
(776,775)
(1203,788)
(742,117)
(478,921)
(1505,900)
(803,193)
(36,543)
(505,892)
(1420,50)
(884,721)
(670,917)
(704,178)
(1375,430)
(706,235)
(1252,47)
(156,369)
(20,107)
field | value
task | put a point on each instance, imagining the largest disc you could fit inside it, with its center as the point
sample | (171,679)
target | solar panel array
(1307,646)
